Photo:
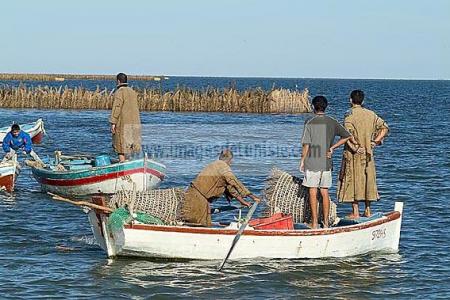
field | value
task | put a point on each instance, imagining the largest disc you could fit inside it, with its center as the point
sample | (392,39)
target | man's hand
(375,143)
(255,198)
(302,166)
(242,201)
(9,155)
(245,203)
(330,153)
(113,128)
(361,150)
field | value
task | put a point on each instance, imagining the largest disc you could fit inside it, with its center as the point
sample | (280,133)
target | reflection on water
(200,278)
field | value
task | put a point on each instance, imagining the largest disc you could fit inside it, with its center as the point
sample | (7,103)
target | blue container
(102,160)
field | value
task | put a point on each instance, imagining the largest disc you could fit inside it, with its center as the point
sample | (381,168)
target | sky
(236,38)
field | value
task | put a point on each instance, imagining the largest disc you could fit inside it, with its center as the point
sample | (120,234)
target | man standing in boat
(17,139)
(357,178)
(317,147)
(215,180)
(125,120)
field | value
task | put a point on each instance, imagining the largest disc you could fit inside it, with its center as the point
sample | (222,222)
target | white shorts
(317,179)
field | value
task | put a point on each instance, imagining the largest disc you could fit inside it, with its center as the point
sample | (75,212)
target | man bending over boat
(317,147)
(215,180)
(125,120)
(15,140)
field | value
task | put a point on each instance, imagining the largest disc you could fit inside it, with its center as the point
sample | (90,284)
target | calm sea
(413,166)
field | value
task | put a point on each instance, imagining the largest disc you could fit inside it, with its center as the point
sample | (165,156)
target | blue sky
(278,38)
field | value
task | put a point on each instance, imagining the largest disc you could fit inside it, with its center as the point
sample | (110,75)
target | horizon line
(230,76)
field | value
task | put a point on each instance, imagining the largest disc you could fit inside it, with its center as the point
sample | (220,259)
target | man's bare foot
(325,225)
(352,216)
(312,226)
(367,212)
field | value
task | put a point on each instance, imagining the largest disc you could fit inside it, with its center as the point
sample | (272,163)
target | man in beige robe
(357,178)
(125,120)
(215,180)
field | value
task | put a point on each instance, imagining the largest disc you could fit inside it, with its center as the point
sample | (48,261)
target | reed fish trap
(164,204)
(285,193)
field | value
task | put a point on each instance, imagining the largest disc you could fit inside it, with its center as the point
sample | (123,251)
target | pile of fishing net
(285,193)
(160,207)
(122,216)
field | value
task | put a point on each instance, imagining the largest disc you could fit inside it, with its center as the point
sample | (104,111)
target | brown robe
(357,177)
(211,183)
(125,114)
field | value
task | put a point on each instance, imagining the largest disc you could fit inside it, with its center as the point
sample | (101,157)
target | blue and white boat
(84,175)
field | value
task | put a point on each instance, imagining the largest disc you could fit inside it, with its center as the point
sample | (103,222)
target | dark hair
(357,97)
(15,127)
(320,103)
(225,154)
(122,78)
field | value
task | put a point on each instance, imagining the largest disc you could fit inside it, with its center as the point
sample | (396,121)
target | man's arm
(306,141)
(237,189)
(305,151)
(27,143)
(5,145)
(383,129)
(116,110)
(379,138)
(339,143)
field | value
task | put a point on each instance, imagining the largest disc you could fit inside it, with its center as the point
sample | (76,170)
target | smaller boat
(85,175)
(9,170)
(36,131)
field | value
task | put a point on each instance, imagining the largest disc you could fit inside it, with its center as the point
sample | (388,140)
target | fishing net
(163,204)
(285,193)
(122,216)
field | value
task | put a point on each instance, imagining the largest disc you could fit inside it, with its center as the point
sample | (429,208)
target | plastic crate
(277,221)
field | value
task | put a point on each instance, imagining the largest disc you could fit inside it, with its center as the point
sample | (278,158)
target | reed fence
(181,99)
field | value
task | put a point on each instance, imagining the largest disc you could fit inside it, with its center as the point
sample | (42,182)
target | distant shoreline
(63,77)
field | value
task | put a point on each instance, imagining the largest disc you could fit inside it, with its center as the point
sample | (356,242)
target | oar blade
(238,235)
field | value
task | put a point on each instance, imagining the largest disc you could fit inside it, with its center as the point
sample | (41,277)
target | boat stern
(396,241)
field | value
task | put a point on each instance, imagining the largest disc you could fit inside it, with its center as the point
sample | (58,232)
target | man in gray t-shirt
(317,147)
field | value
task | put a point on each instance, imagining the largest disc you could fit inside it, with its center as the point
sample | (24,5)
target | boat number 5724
(379,234)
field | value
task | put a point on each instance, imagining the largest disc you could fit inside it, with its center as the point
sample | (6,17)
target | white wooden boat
(35,130)
(9,170)
(156,241)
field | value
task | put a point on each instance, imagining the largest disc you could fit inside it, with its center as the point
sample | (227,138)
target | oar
(238,234)
(82,203)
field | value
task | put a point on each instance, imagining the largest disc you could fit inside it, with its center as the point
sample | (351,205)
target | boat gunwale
(386,218)
(115,168)
(96,178)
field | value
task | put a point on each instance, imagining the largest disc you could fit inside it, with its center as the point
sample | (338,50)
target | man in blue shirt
(17,139)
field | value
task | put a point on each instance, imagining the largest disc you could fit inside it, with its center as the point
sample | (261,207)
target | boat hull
(176,242)
(7,183)
(137,175)
(8,174)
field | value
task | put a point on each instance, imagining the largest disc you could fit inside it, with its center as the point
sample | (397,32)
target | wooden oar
(82,203)
(238,234)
